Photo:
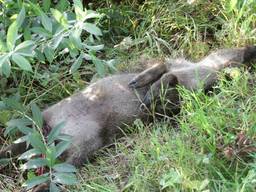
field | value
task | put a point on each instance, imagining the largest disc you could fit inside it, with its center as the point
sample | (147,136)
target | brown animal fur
(95,115)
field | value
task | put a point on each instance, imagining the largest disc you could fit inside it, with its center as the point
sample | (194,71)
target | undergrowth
(211,145)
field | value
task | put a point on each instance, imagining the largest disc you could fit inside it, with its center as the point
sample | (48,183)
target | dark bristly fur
(95,115)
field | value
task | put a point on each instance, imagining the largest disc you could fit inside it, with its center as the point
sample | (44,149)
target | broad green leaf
(46,5)
(51,155)
(78,4)
(39,55)
(56,41)
(41,31)
(53,135)
(34,163)
(22,62)
(49,53)
(21,17)
(3,59)
(75,38)
(94,48)
(100,66)
(36,181)
(79,10)
(25,130)
(76,64)
(92,29)
(61,147)
(2,46)
(30,153)
(54,188)
(64,167)
(6,68)
(27,33)
(18,122)
(35,140)
(12,35)
(37,115)
(91,15)
(14,104)
(60,18)
(64,137)
(24,45)
(62,5)
(46,21)
(21,139)
(25,48)
(65,178)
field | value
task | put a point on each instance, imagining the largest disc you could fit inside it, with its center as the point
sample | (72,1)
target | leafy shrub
(35,36)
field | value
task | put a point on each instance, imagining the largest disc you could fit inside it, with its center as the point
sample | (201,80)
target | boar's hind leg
(148,76)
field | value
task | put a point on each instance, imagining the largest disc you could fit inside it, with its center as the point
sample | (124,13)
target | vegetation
(211,145)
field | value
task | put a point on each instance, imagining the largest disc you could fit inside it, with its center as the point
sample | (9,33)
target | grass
(191,155)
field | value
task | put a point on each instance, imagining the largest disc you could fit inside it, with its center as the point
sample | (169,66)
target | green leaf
(51,155)
(94,48)
(21,17)
(14,104)
(37,115)
(36,142)
(59,17)
(27,33)
(56,41)
(46,21)
(36,181)
(100,66)
(12,35)
(24,45)
(3,47)
(22,62)
(64,167)
(21,139)
(41,31)
(30,153)
(54,188)
(6,68)
(25,130)
(62,5)
(3,59)
(49,53)
(79,10)
(34,163)
(75,38)
(53,135)
(25,48)
(91,15)
(92,29)
(46,5)
(65,178)
(18,122)
(76,64)
(40,55)
(61,147)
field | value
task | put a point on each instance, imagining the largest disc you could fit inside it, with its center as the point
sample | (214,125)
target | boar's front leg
(149,76)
